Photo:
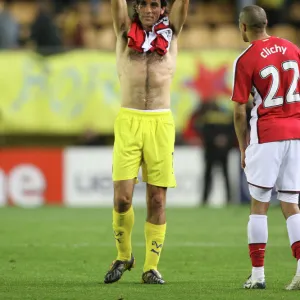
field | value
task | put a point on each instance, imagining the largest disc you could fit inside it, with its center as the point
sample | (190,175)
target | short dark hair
(255,17)
(163,3)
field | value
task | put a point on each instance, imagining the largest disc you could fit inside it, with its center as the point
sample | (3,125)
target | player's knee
(122,202)
(157,201)
(289,203)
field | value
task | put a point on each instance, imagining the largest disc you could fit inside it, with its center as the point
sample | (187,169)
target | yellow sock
(155,236)
(122,226)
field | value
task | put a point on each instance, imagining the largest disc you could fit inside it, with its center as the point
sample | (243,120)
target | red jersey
(269,70)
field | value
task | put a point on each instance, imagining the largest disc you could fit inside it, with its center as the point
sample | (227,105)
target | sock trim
(258,216)
(124,213)
(292,217)
(155,225)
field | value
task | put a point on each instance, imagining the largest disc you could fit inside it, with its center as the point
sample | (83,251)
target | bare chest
(141,67)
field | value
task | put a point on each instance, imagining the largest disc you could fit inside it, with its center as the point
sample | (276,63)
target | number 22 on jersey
(272,100)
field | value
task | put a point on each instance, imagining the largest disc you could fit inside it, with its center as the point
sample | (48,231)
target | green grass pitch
(63,253)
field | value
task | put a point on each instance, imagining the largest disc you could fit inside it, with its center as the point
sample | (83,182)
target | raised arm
(119,15)
(178,14)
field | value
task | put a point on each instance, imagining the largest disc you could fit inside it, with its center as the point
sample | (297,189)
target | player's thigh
(158,153)
(289,172)
(263,163)
(127,152)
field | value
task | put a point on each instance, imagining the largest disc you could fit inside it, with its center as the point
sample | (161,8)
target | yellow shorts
(146,139)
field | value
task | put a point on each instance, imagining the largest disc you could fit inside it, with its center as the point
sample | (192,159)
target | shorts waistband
(149,113)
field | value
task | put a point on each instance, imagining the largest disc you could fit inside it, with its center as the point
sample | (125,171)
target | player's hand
(243,164)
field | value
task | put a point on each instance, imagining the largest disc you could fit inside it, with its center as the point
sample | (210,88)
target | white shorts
(274,164)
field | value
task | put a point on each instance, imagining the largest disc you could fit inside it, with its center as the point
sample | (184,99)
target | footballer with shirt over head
(269,70)
(146,52)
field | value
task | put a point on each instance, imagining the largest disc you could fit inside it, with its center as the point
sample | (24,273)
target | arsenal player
(269,70)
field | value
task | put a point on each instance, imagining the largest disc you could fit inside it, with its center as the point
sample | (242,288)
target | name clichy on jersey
(268,51)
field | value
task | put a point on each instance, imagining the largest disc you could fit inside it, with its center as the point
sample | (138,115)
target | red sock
(257,254)
(296,250)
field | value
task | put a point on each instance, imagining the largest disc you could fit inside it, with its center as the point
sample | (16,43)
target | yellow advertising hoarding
(70,92)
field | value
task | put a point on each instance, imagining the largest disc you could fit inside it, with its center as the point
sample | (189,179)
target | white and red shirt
(269,70)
